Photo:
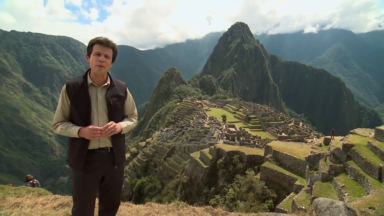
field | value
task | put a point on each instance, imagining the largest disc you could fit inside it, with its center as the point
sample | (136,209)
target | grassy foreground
(16,201)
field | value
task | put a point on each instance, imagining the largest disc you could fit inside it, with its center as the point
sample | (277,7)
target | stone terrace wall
(290,162)
(376,150)
(251,160)
(277,179)
(364,164)
(359,177)
(379,133)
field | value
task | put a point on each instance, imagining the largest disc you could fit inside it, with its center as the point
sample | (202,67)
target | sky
(147,24)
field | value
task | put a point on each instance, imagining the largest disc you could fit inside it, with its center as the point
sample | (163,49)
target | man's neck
(98,78)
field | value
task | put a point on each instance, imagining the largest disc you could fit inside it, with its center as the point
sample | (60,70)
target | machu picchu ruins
(199,149)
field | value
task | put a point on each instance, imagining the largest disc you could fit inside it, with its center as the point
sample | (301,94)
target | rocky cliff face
(241,66)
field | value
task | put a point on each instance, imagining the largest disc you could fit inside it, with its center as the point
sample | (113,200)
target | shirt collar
(90,82)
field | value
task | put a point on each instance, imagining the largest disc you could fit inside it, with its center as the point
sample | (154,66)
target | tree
(224,118)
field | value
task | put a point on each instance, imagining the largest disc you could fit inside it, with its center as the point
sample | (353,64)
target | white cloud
(93,14)
(73,2)
(151,23)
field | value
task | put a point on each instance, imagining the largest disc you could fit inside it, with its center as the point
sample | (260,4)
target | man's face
(100,60)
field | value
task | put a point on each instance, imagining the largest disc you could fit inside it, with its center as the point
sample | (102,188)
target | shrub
(145,189)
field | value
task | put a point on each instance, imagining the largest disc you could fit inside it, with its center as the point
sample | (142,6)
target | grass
(246,150)
(270,165)
(336,142)
(9,191)
(196,156)
(324,189)
(374,183)
(378,144)
(353,188)
(286,204)
(206,152)
(300,150)
(323,166)
(29,202)
(303,199)
(229,106)
(262,134)
(365,152)
(357,139)
(372,201)
(218,112)
(367,132)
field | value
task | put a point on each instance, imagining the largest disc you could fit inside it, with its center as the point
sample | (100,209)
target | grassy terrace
(300,150)
(336,142)
(374,200)
(218,112)
(303,199)
(270,165)
(324,189)
(196,156)
(375,183)
(286,204)
(229,106)
(378,144)
(246,150)
(363,140)
(206,152)
(323,167)
(353,188)
(262,134)
(357,139)
(365,152)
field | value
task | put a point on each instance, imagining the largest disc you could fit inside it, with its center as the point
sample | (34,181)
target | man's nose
(101,58)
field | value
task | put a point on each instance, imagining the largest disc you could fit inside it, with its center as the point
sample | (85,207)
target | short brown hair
(103,41)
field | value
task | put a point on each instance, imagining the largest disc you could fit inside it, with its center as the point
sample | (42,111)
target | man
(31,182)
(95,111)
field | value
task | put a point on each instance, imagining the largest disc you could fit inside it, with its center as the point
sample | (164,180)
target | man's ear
(87,57)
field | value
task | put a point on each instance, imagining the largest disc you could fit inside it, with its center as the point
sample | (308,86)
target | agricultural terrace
(360,143)
(219,112)
(298,149)
(246,150)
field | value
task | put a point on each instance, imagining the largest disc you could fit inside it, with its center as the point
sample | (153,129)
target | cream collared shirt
(99,114)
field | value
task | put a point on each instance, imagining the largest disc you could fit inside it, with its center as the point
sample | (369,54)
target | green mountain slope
(322,98)
(34,67)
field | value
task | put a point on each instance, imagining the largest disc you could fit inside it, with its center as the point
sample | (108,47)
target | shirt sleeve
(61,124)
(130,120)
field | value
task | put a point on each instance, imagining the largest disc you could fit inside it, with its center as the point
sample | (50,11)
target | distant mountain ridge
(141,70)
(355,58)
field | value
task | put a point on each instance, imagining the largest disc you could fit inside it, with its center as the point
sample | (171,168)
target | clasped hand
(95,132)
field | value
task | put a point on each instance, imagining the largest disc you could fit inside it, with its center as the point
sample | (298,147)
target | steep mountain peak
(163,91)
(241,66)
(240,30)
